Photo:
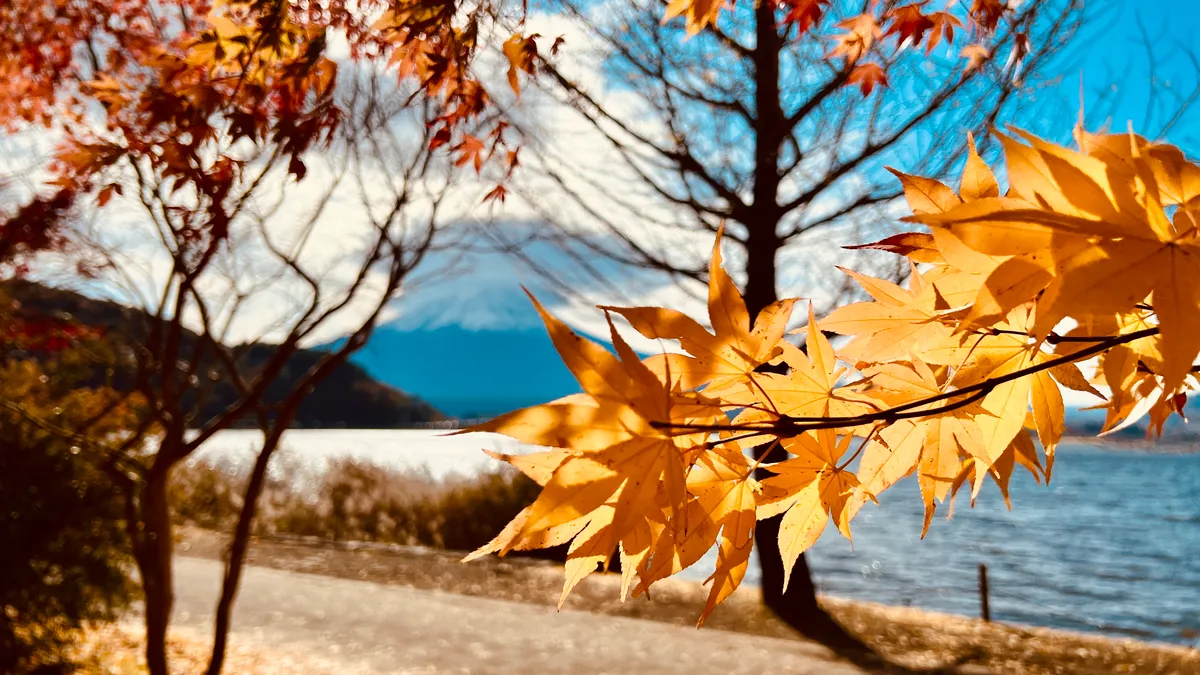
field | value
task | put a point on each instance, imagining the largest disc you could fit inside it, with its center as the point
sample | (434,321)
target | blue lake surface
(1112,545)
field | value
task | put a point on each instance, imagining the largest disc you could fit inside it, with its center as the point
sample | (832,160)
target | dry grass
(910,638)
(353,501)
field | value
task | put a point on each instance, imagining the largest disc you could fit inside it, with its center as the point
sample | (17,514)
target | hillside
(348,398)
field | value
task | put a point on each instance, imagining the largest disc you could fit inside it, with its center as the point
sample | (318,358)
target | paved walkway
(388,629)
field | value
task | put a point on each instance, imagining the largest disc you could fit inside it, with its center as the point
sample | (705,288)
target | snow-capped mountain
(470,341)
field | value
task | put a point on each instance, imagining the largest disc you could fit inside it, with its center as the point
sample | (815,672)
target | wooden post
(985,609)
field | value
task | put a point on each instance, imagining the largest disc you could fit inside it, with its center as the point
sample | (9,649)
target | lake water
(1112,545)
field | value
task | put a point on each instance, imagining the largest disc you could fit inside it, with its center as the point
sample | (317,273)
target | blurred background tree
(776,121)
(59,505)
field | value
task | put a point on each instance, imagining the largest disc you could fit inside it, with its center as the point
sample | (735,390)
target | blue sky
(1114,62)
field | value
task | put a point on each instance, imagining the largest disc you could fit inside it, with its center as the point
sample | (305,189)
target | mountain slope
(348,398)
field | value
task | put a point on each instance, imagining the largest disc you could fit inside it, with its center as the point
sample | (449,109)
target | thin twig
(787,426)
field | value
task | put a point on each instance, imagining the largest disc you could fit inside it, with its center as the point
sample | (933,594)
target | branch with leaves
(1089,257)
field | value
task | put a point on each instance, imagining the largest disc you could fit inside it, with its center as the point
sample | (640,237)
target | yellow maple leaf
(810,389)
(897,324)
(724,486)
(724,359)
(1095,231)
(926,195)
(978,181)
(808,490)
(934,444)
(622,465)
(1011,348)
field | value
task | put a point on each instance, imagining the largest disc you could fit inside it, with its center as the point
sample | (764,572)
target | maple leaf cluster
(179,94)
(913,25)
(857,39)
(1090,256)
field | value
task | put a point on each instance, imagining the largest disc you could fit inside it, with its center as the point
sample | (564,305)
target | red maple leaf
(867,76)
(987,13)
(910,23)
(803,14)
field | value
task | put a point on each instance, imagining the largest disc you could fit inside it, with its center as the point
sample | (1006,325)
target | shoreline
(1169,446)
(910,637)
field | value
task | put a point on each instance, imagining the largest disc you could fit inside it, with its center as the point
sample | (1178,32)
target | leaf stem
(787,426)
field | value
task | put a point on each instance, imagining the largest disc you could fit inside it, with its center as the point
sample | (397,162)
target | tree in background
(219,171)
(1088,255)
(774,120)
(67,556)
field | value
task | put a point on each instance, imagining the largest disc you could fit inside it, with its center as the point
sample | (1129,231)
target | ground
(400,610)
(391,629)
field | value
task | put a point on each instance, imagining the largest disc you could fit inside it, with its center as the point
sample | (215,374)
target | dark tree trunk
(155,565)
(797,606)
(236,560)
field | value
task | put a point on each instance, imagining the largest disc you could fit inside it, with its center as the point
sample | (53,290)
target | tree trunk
(154,565)
(241,538)
(797,606)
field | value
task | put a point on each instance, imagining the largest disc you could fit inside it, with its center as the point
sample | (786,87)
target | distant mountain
(469,373)
(471,342)
(348,398)
(475,351)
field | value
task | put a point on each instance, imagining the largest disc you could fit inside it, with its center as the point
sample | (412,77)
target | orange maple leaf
(943,27)
(861,32)
(471,150)
(520,52)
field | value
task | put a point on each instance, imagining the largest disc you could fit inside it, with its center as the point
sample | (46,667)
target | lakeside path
(390,629)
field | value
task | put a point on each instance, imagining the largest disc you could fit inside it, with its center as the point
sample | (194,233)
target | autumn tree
(1080,272)
(67,561)
(221,171)
(775,119)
